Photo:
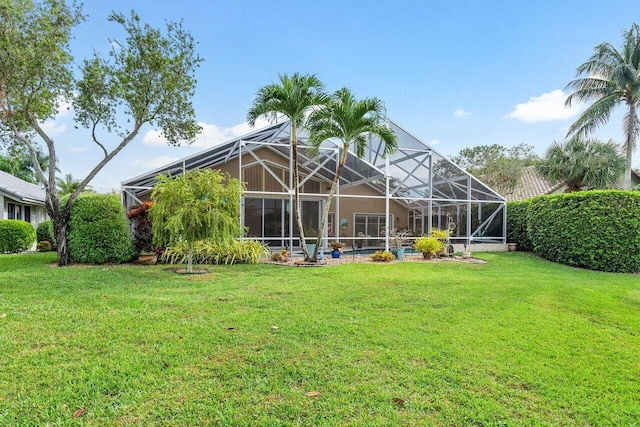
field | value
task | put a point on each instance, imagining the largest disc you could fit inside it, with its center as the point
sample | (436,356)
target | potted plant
(397,238)
(360,235)
(147,258)
(282,255)
(429,246)
(336,249)
(466,253)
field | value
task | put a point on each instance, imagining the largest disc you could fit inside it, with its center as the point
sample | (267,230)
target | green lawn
(517,341)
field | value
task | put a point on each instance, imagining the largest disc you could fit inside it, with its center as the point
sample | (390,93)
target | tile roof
(531,184)
(20,190)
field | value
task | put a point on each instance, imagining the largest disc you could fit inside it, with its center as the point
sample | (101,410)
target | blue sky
(455,74)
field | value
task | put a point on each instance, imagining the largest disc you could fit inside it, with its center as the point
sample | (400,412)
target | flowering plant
(141,221)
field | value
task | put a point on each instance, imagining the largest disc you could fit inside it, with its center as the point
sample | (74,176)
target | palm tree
(582,164)
(352,122)
(18,162)
(68,185)
(612,77)
(294,97)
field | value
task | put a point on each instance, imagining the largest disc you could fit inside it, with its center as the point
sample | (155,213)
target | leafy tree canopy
(147,78)
(497,166)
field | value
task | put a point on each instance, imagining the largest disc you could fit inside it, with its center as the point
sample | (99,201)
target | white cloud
(154,163)
(51,127)
(460,113)
(546,107)
(79,149)
(64,108)
(211,134)
(435,142)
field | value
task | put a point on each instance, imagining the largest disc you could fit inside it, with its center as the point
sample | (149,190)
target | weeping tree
(352,122)
(201,204)
(583,164)
(145,79)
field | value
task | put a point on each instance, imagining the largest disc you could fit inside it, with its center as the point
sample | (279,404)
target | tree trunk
(60,224)
(629,144)
(296,185)
(628,161)
(190,259)
(334,185)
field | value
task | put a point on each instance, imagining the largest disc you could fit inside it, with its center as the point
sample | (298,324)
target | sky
(455,74)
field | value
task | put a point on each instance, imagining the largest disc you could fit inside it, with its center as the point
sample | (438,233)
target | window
(371,225)
(11,211)
(27,213)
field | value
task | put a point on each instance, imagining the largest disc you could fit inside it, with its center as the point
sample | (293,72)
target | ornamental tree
(201,204)
(147,78)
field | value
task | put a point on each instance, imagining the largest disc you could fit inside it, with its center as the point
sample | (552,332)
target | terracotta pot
(427,255)
(148,258)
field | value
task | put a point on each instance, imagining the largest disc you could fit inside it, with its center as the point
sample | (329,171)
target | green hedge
(599,230)
(16,235)
(44,232)
(99,230)
(517,225)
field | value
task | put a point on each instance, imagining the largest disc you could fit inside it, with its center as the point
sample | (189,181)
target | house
(415,188)
(533,184)
(20,199)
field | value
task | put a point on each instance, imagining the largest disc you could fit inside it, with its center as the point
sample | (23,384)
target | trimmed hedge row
(517,214)
(598,230)
(16,235)
(99,230)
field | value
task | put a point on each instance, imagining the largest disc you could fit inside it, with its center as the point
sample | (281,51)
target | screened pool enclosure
(414,189)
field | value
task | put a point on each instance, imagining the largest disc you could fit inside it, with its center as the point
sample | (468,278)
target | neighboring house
(20,199)
(532,184)
(416,188)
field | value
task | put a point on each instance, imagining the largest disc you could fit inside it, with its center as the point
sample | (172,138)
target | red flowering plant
(141,222)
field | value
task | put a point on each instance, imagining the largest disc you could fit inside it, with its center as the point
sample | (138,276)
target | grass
(517,341)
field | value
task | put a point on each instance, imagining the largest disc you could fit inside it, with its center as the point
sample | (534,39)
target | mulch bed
(365,259)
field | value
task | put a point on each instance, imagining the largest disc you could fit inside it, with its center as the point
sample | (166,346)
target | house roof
(20,190)
(533,184)
(417,172)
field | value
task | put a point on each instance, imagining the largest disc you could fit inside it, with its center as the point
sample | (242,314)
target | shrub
(141,222)
(382,256)
(44,246)
(16,235)
(45,232)
(212,252)
(98,230)
(429,246)
(517,225)
(599,230)
(439,234)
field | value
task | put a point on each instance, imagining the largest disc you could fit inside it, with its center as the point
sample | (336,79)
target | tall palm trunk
(629,144)
(296,187)
(334,185)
